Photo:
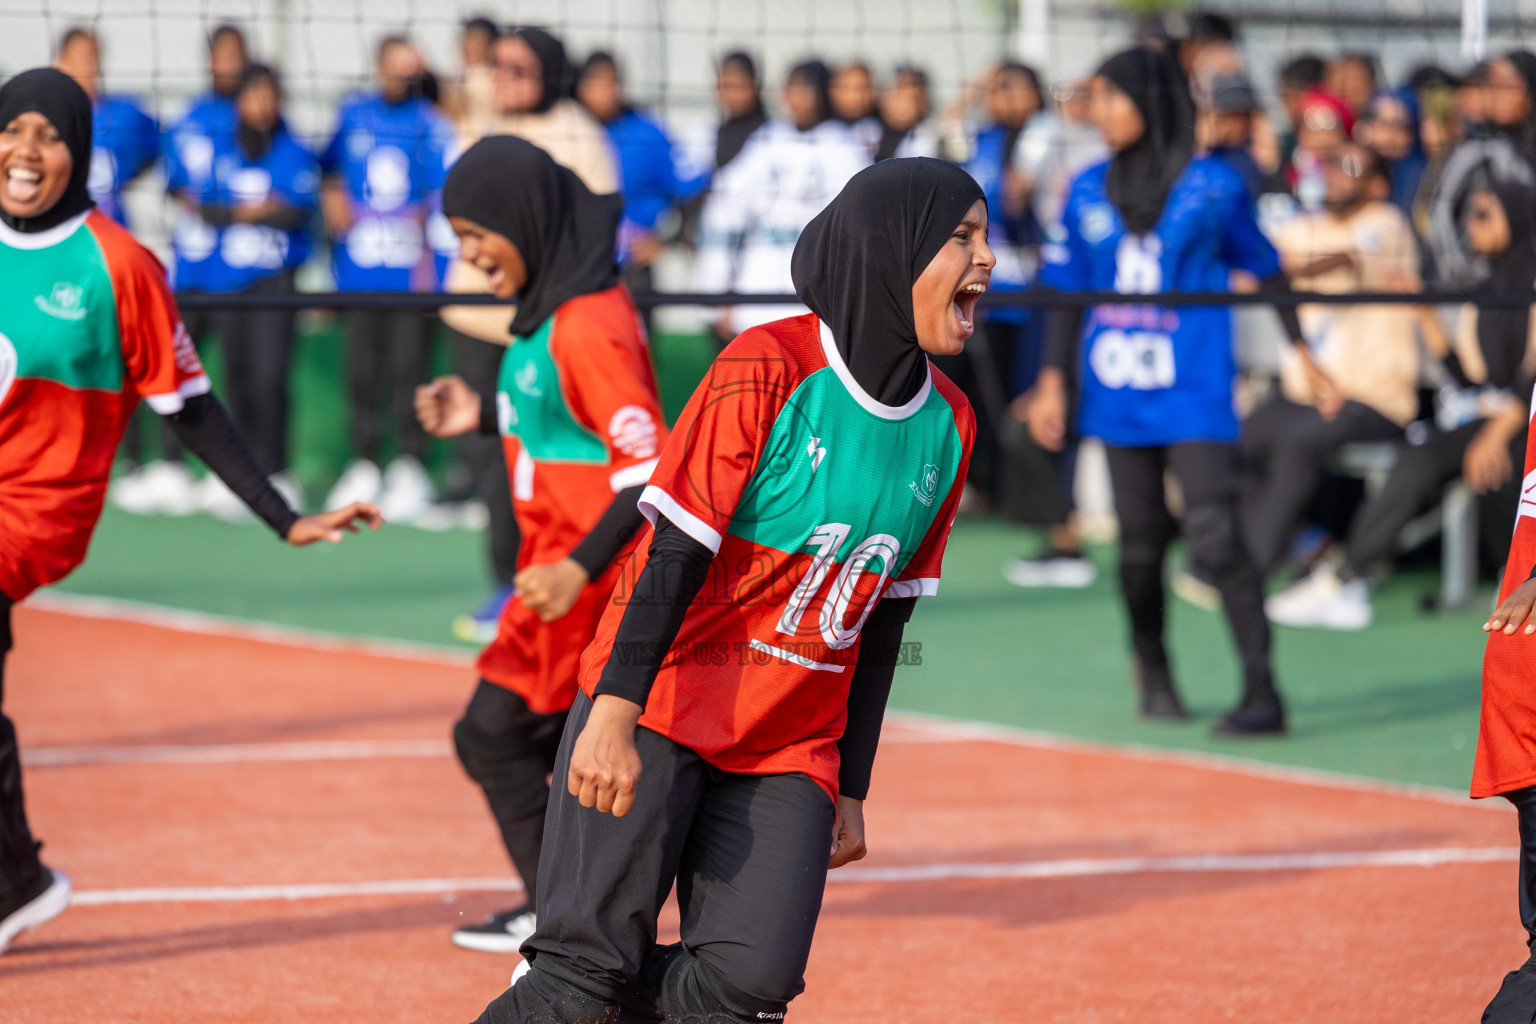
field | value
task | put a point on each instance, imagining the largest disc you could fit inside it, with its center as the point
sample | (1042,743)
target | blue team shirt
(989,166)
(247,253)
(647,174)
(1151,375)
(191,148)
(125,141)
(390,156)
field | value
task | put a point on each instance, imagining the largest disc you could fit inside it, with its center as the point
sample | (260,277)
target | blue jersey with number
(207,130)
(1153,375)
(287,171)
(390,158)
(124,141)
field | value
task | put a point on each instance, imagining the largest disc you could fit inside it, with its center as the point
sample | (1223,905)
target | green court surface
(1398,701)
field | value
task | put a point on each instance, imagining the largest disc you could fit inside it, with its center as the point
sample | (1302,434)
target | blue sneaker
(479,627)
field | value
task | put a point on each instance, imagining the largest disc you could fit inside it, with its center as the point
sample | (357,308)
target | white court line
(957,729)
(235,753)
(1077,868)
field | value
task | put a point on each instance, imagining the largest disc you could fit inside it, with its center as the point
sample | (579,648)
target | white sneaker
(1322,601)
(500,933)
(286,484)
(45,906)
(1196,590)
(441,516)
(362,481)
(159,488)
(1053,569)
(518,971)
(215,498)
(407,491)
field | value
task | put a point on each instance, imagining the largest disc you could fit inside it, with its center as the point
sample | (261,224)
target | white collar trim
(885,412)
(41,239)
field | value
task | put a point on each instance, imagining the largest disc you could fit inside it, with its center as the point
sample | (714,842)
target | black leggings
(19,865)
(258,349)
(479,363)
(1208,477)
(749,856)
(393,347)
(509,749)
(1515,1002)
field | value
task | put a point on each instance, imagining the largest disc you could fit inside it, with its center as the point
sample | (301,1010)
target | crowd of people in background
(1361,184)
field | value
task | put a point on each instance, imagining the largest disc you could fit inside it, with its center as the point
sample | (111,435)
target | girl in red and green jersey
(87,329)
(732,700)
(577,409)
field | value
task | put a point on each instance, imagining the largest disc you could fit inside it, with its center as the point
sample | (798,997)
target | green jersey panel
(60,315)
(530,404)
(830,460)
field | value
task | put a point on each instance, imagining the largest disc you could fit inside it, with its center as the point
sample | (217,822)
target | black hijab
(566,235)
(734,131)
(819,77)
(255,142)
(1141,176)
(1503,332)
(60,99)
(558,75)
(856,262)
(1524,134)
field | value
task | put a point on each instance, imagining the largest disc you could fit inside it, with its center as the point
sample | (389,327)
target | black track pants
(1515,1002)
(18,852)
(749,856)
(1207,475)
(509,749)
(387,348)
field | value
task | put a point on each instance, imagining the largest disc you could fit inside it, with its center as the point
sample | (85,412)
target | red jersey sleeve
(920,577)
(717,441)
(160,360)
(611,386)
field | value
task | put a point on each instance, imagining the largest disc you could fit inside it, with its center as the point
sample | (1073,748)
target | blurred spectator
(647,165)
(760,202)
(472,97)
(191,148)
(1441,130)
(1352,78)
(1206,29)
(1472,100)
(263,198)
(1054,147)
(739,94)
(382,166)
(1324,126)
(1297,78)
(855,104)
(1225,128)
(1003,359)
(1478,433)
(125,139)
(1391,128)
(1500,147)
(1369,355)
(904,109)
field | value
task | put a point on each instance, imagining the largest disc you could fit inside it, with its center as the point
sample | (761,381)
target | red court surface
(263,831)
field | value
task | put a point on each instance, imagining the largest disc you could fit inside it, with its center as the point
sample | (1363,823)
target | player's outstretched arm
(332,526)
(448,407)
(1514,611)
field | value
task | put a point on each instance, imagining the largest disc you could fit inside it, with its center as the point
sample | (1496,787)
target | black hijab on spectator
(734,131)
(558,75)
(255,142)
(565,234)
(1503,332)
(1524,62)
(819,77)
(1141,175)
(856,262)
(60,99)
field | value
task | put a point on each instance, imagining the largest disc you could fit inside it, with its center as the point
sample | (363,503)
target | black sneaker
(1255,716)
(500,933)
(1159,697)
(31,906)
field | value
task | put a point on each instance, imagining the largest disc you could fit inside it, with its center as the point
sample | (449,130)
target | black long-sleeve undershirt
(204,427)
(673,576)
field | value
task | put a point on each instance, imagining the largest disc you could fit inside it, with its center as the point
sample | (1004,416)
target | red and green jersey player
(732,698)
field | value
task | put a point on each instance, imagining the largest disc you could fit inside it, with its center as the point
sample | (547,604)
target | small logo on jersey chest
(62,302)
(926,487)
(527,378)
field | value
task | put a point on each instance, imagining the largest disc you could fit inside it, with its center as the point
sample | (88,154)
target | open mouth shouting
(22,184)
(965,305)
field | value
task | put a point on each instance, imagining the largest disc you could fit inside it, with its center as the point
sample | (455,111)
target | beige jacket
(574,139)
